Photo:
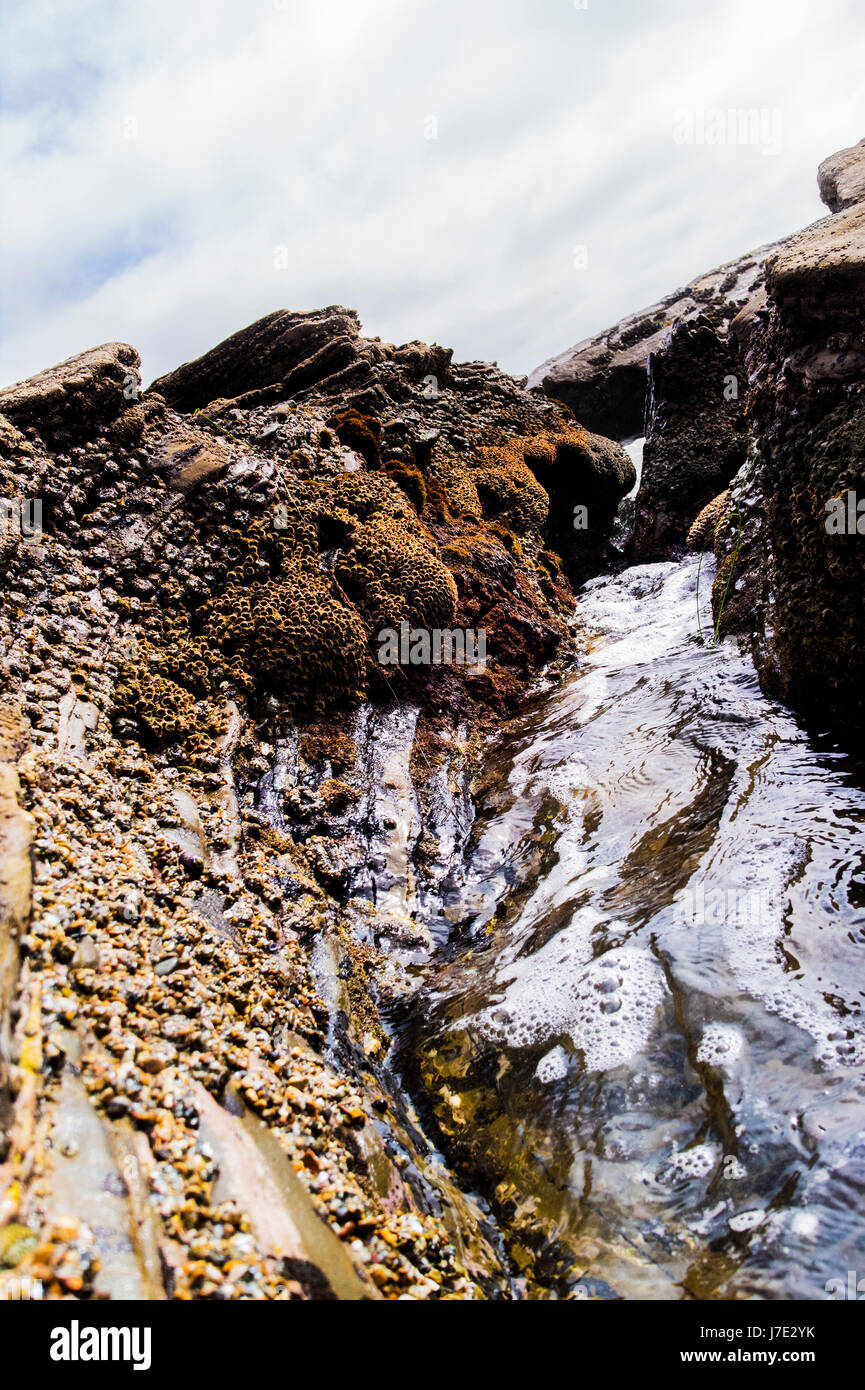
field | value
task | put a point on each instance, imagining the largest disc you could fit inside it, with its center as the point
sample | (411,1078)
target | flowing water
(643,1033)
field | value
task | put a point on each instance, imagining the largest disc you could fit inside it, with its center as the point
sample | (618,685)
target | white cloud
(155,155)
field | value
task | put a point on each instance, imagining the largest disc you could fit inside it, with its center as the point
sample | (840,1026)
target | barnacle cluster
(507,488)
(295,634)
(261,610)
(364,496)
(275,578)
(277,621)
(704,530)
(503,481)
(388,565)
(453,490)
(395,577)
(411,481)
(157,703)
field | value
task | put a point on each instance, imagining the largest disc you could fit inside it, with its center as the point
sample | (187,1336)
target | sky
(505,177)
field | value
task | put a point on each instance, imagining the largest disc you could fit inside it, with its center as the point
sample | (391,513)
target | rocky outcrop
(819,271)
(695,434)
(75,400)
(603,379)
(411,412)
(585,477)
(297,356)
(236,805)
(754,424)
(265,355)
(841,178)
(791,566)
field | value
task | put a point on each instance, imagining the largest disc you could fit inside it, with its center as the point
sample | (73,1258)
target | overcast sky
(502,176)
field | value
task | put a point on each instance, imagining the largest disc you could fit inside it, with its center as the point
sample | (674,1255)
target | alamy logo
(22,516)
(24,1290)
(845,516)
(852,1288)
(734,906)
(74,1343)
(420,646)
(708,125)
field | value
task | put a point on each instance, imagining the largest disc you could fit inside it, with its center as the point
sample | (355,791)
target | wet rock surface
(695,434)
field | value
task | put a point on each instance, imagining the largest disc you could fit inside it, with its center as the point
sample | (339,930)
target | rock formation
(764,403)
(283,350)
(790,558)
(218,806)
(841,178)
(603,379)
(73,401)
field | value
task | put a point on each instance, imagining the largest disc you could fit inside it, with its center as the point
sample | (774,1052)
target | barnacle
(367,495)
(162,707)
(508,488)
(460,495)
(394,576)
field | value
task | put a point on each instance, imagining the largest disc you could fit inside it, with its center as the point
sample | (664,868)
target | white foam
(753,949)
(747,1220)
(698,1162)
(607,1006)
(720,1045)
(553,1066)
(805,1224)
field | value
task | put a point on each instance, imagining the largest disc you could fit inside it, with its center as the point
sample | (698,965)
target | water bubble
(747,1220)
(607,984)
